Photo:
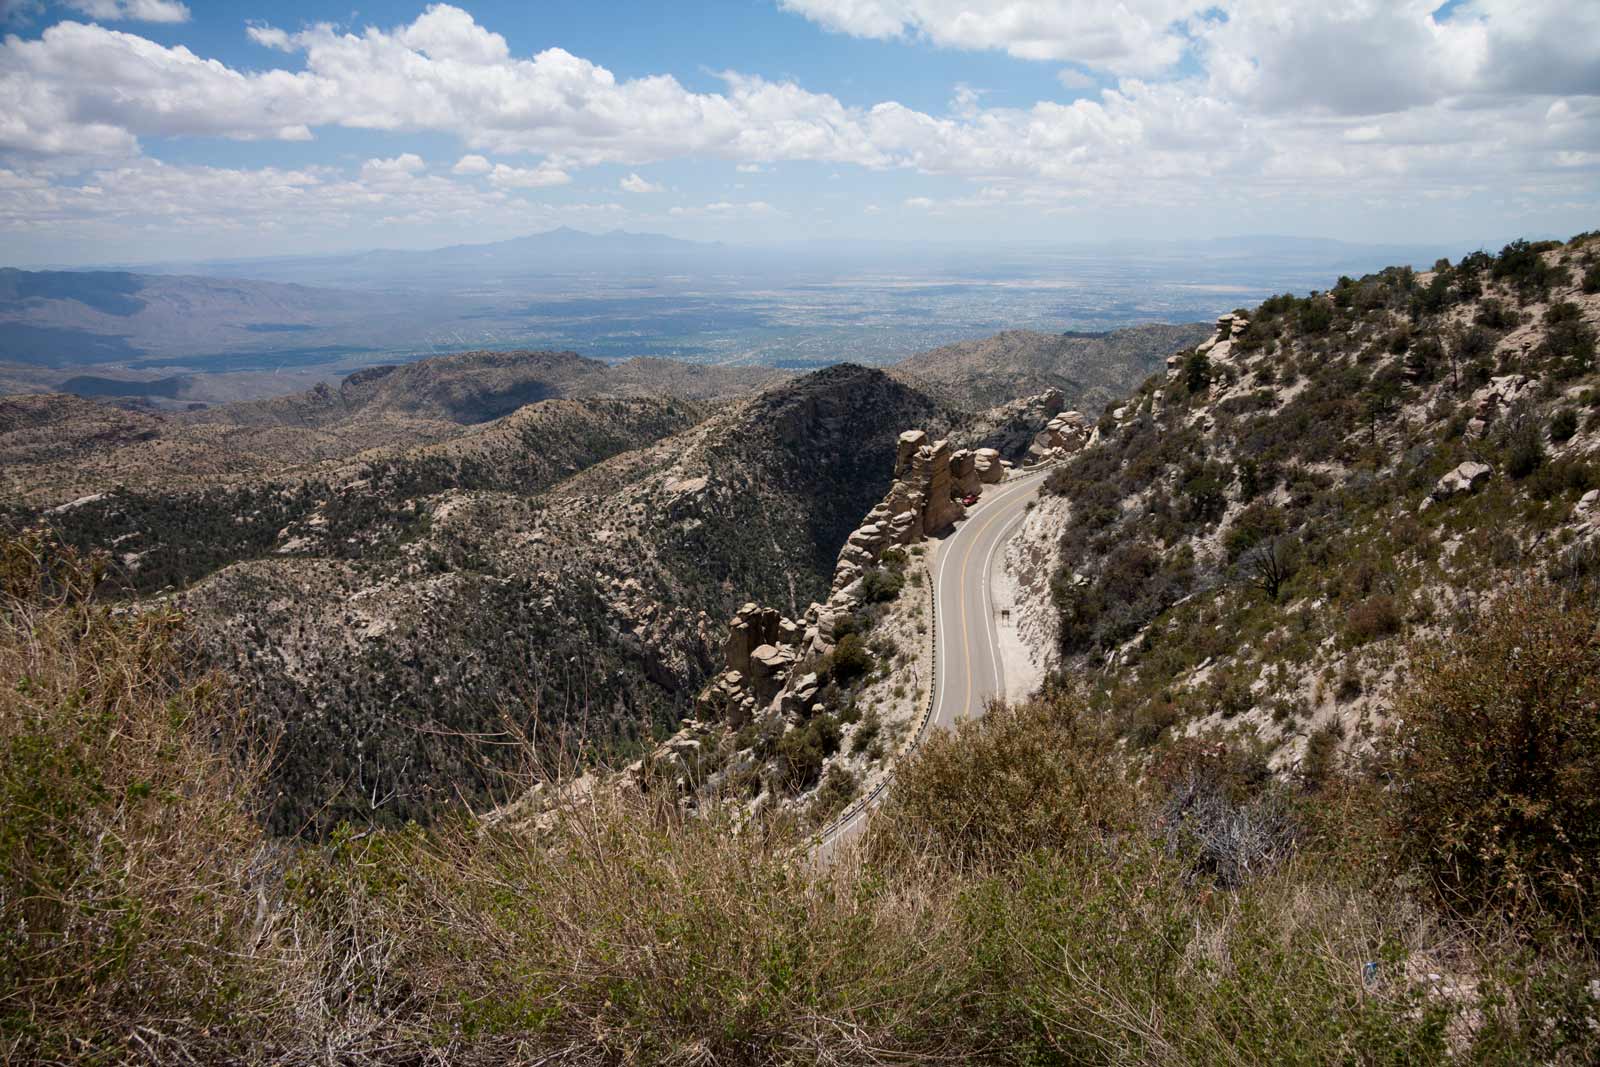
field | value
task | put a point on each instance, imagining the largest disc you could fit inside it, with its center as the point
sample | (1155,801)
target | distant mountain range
(567,251)
(560,251)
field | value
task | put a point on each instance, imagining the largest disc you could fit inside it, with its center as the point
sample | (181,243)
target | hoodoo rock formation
(990,468)
(964,472)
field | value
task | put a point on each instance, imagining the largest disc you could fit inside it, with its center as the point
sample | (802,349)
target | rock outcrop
(1489,401)
(1011,427)
(1219,347)
(1068,432)
(764,650)
(989,466)
(761,648)
(964,472)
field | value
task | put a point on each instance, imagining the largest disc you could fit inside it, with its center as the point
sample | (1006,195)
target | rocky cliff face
(1065,434)
(921,502)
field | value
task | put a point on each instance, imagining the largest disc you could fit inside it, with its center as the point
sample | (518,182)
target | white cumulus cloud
(1246,100)
(633,183)
(726,209)
(540,177)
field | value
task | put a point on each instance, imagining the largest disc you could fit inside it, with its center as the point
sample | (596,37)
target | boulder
(1464,479)
(769,666)
(1589,506)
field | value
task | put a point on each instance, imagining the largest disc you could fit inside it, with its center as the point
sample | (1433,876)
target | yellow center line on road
(966,646)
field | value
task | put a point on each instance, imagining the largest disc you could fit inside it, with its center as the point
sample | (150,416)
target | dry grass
(1019,902)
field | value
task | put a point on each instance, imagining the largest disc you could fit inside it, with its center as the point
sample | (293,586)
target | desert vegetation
(1028,895)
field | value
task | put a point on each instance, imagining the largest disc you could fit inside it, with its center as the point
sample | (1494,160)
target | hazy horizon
(1447,247)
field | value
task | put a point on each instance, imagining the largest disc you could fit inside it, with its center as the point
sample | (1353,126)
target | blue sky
(154,129)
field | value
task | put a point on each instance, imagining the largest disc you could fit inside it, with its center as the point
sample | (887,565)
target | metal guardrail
(919,735)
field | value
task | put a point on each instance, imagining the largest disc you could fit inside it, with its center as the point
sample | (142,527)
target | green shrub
(1570,346)
(1563,424)
(867,734)
(882,585)
(1562,311)
(1316,315)
(1204,486)
(1522,265)
(1525,450)
(802,751)
(1024,777)
(1319,764)
(1497,315)
(1497,759)
(1256,523)
(849,659)
(1376,616)
(1197,374)
(839,787)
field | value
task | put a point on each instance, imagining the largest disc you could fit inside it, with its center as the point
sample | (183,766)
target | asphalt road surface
(968,670)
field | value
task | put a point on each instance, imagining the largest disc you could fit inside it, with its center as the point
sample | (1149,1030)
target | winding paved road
(967,666)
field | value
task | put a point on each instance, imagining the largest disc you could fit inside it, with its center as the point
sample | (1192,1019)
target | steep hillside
(173,534)
(1089,369)
(464,607)
(1248,542)
(37,430)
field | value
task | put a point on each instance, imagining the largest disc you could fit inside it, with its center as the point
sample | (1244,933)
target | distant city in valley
(228,330)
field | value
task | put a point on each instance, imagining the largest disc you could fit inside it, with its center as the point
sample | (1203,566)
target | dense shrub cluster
(1499,754)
